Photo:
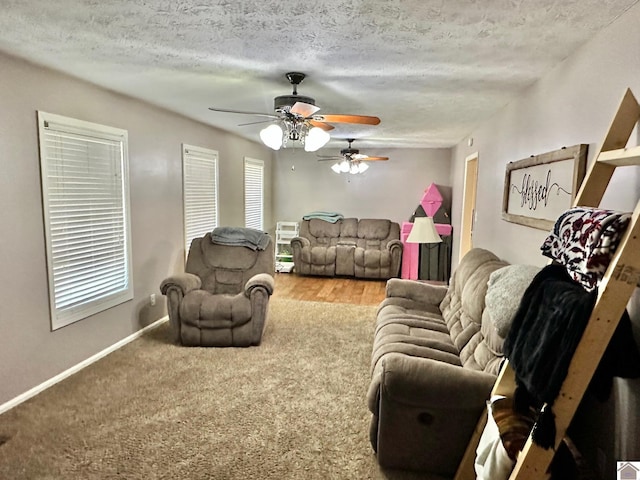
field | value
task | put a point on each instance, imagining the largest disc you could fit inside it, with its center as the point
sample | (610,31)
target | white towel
(492,461)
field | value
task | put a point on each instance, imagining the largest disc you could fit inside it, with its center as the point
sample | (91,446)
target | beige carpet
(291,408)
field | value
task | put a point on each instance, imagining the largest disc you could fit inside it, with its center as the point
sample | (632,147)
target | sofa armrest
(394,245)
(184,282)
(427,383)
(261,280)
(175,288)
(415,290)
(424,412)
(300,242)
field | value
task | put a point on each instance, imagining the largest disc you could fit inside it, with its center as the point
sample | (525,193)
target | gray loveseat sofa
(365,248)
(436,355)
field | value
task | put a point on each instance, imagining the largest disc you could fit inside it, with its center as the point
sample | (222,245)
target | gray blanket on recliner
(239,236)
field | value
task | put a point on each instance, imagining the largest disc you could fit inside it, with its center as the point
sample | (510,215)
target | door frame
(470,189)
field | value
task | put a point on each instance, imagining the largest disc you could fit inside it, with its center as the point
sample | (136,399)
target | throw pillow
(504,293)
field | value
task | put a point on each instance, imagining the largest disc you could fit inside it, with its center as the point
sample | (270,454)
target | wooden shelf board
(621,157)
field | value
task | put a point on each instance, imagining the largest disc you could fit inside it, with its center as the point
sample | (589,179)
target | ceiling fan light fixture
(271,136)
(297,120)
(316,138)
(350,160)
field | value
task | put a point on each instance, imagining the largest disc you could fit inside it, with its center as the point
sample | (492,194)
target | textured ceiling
(430,69)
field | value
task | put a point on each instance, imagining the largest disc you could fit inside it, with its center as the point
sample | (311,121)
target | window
(85,192)
(253,193)
(200,192)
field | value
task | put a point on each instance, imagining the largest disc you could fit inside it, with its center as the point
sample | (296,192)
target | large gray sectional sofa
(365,248)
(436,355)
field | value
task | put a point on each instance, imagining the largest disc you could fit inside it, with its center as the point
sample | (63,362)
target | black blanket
(545,332)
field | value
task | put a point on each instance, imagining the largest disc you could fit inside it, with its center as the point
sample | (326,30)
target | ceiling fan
(350,160)
(296,119)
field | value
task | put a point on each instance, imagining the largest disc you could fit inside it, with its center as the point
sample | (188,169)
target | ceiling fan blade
(304,109)
(374,159)
(330,159)
(362,119)
(324,126)
(255,123)
(257,114)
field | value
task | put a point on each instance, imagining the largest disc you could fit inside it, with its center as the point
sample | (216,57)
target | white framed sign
(538,189)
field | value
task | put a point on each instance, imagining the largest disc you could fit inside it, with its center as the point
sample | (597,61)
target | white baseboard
(76,368)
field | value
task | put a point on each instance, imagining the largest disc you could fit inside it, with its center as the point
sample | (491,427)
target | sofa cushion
(413,317)
(374,229)
(349,228)
(371,258)
(476,355)
(504,290)
(214,255)
(490,336)
(322,229)
(204,310)
(464,303)
(320,255)
(417,340)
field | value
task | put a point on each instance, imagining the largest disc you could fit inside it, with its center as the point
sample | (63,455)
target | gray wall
(29,352)
(390,189)
(574,103)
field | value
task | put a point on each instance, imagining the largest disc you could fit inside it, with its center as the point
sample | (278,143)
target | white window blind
(200,192)
(253,193)
(84,169)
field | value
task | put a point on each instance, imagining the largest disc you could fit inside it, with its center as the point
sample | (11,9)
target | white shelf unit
(285,231)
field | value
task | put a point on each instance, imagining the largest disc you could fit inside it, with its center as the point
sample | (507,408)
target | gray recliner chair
(222,298)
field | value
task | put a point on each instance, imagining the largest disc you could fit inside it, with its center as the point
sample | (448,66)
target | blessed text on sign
(540,188)
(541,191)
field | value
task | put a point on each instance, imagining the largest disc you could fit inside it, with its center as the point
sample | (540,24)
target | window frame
(252,162)
(47,123)
(203,152)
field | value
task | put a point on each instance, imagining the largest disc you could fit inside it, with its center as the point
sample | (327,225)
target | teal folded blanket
(241,237)
(331,217)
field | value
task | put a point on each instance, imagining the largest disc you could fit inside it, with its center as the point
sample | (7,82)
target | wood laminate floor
(332,290)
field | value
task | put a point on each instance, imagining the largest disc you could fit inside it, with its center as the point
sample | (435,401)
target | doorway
(468,203)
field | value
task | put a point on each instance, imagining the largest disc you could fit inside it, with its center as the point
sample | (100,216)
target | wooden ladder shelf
(614,292)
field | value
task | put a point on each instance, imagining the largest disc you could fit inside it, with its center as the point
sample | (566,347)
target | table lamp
(423,231)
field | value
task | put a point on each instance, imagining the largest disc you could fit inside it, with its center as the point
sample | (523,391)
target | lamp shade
(336,167)
(272,136)
(316,138)
(423,231)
